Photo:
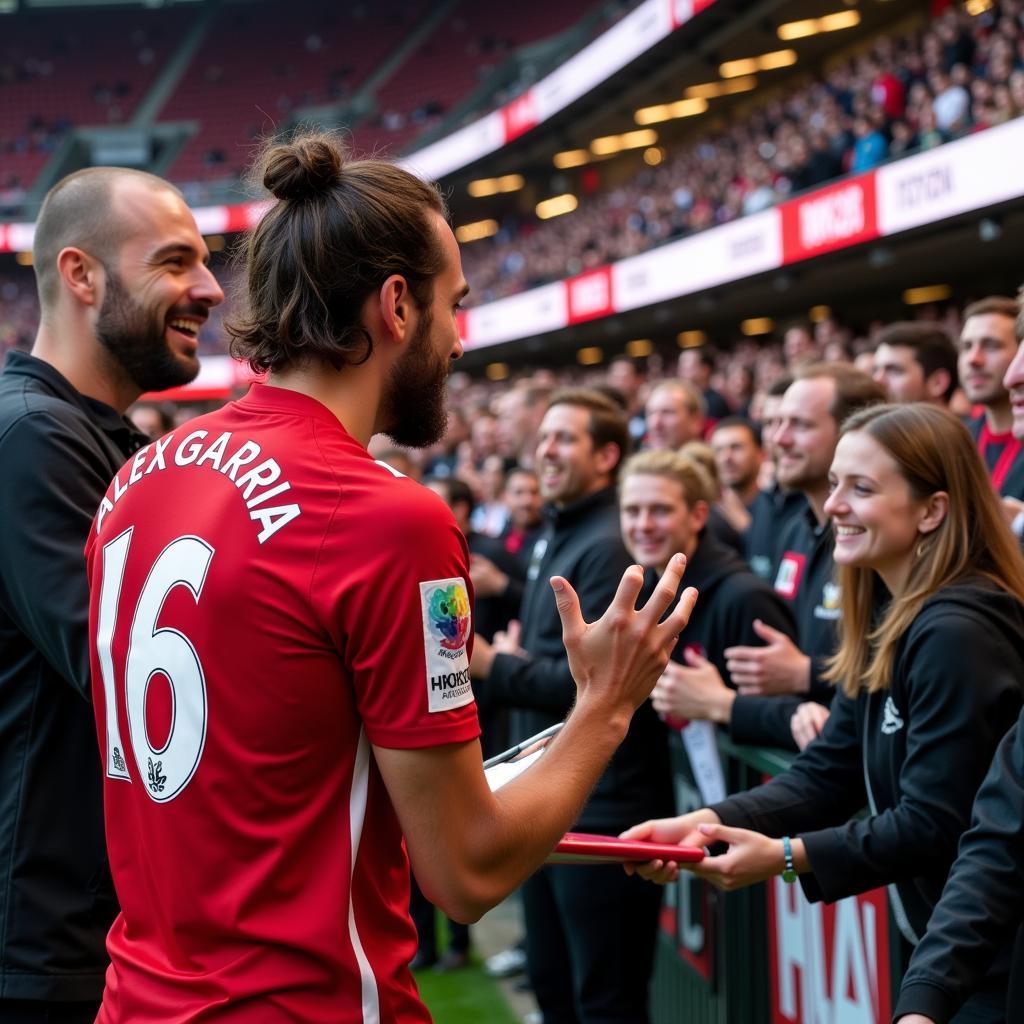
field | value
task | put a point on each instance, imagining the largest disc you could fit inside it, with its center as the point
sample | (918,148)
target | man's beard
(414,403)
(135,337)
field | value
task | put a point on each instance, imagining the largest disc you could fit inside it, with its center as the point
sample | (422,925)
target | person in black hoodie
(929,664)
(576,915)
(663,508)
(982,905)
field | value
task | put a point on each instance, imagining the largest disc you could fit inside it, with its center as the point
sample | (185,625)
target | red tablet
(582,848)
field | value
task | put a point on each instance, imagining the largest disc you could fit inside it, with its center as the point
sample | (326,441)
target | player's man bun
(341,227)
(303,168)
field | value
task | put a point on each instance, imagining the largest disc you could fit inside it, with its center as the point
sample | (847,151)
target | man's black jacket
(770,513)
(804,578)
(982,905)
(585,546)
(731,597)
(914,754)
(58,452)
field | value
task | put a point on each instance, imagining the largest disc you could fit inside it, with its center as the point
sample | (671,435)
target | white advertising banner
(727,253)
(969,174)
(521,316)
(476,140)
(636,33)
(20,236)
(212,220)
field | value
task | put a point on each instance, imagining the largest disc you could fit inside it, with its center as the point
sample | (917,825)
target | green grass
(466,996)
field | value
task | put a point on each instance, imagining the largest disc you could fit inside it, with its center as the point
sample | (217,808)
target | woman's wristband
(789,871)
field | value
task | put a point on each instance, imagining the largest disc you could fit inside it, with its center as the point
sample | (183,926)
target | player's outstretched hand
(618,659)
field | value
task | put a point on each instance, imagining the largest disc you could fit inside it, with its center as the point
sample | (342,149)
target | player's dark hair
(78,211)
(338,230)
(932,346)
(608,423)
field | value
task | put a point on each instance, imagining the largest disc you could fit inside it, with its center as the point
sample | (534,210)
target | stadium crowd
(960,74)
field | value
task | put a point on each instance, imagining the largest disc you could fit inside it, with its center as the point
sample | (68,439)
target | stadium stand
(281,57)
(456,57)
(905,94)
(84,68)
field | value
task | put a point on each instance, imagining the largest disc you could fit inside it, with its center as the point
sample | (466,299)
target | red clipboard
(583,848)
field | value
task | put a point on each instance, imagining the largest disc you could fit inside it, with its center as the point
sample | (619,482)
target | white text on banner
(969,174)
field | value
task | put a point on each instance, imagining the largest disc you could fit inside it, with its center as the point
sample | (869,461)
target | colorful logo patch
(449,616)
(446,626)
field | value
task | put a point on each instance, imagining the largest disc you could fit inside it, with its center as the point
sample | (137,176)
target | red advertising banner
(684,10)
(828,962)
(830,218)
(520,116)
(590,295)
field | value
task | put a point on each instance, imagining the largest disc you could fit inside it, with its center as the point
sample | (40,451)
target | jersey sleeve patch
(446,625)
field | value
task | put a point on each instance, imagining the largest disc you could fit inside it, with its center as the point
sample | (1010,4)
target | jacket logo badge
(118,759)
(891,721)
(156,780)
(791,568)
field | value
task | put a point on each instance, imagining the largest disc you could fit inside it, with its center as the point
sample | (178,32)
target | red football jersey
(267,601)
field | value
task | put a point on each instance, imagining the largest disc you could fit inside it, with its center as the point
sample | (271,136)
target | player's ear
(395,305)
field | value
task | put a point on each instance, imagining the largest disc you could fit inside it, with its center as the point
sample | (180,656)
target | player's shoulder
(373,489)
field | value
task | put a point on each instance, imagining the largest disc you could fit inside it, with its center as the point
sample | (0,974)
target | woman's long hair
(934,452)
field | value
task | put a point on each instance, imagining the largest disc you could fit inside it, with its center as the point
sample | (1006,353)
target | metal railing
(728,958)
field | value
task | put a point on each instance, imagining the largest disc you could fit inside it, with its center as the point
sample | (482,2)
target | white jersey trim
(356,817)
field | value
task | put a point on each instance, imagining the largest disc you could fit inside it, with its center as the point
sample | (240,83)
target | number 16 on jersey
(151,652)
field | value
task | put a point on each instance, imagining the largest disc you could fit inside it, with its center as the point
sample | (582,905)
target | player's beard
(135,336)
(415,402)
